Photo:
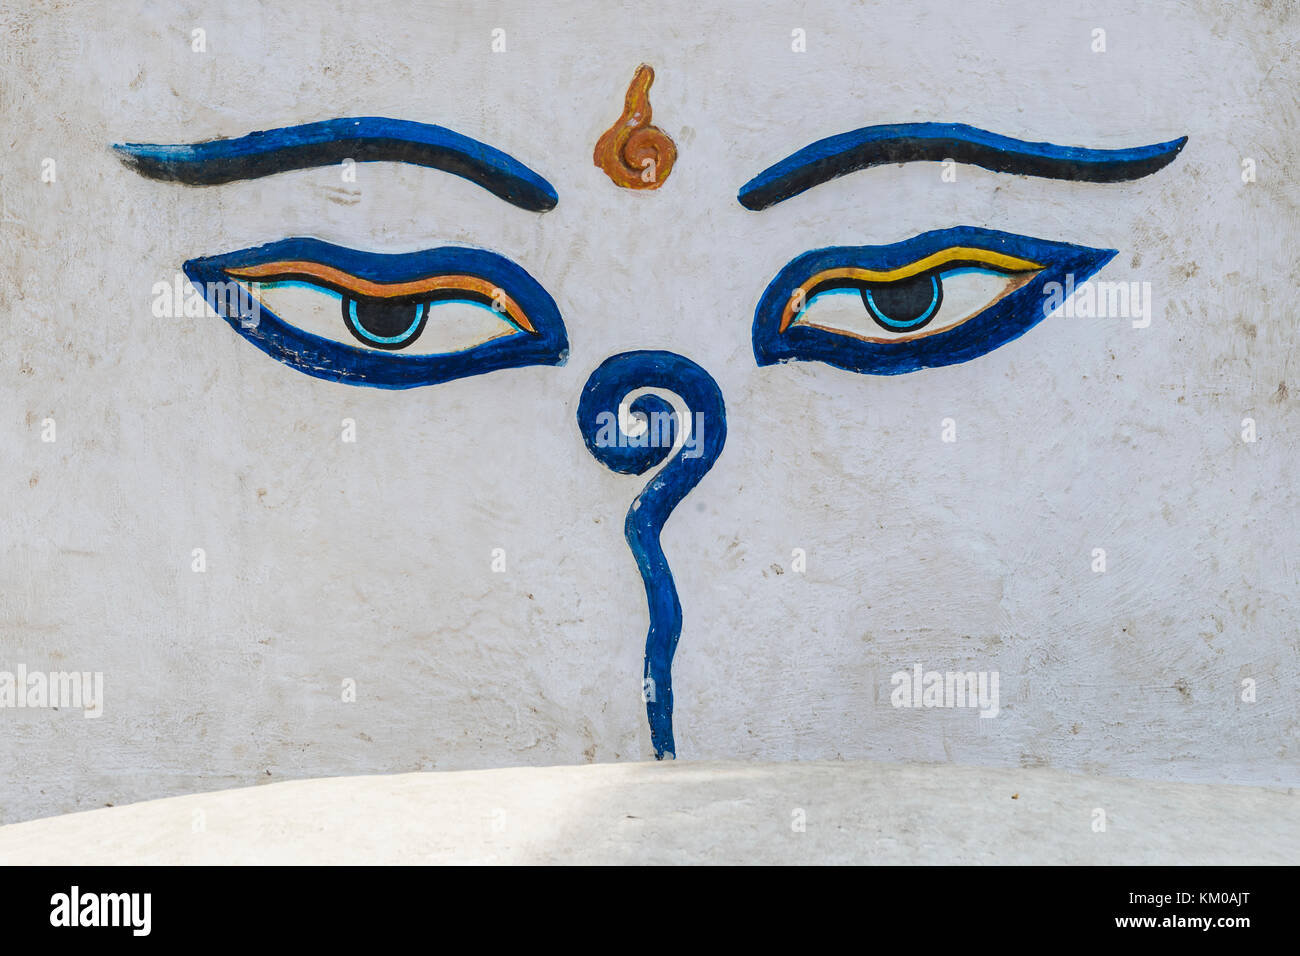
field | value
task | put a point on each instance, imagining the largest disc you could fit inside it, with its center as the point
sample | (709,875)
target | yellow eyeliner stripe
(987,257)
(346,282)
(1015,284)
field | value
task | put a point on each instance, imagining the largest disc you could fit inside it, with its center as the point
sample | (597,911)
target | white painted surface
(371,561)
(736,813)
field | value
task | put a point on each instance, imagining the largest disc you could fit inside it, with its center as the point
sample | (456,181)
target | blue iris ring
(357,326)
(903,325)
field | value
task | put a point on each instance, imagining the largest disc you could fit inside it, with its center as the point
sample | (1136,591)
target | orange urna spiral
(633,153)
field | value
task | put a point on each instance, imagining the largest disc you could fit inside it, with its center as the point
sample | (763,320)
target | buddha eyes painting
(537,386)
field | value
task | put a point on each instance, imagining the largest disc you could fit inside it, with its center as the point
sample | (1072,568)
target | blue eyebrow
(914,142)
(366,139)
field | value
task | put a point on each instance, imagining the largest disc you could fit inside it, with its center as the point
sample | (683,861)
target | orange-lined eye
(387,320)
(382,308)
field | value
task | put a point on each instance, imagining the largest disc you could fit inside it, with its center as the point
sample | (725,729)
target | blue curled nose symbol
(631,437)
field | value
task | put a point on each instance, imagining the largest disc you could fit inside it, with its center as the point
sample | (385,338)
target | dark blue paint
(1009,318)
(340,362)
(912,142)
(363,139)
(608,386)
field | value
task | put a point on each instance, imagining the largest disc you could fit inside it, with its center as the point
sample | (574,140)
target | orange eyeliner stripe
(996,260)
(338,279)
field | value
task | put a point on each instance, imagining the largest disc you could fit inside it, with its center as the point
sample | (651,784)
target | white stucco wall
(370,561)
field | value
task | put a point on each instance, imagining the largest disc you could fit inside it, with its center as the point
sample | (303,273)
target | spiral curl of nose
(599,420)
(632,152)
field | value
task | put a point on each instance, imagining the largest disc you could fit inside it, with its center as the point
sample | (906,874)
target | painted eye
(878,306)
(941,298)
(390,321)
(437,315)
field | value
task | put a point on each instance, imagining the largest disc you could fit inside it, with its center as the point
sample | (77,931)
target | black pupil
(903,301)
(385,319)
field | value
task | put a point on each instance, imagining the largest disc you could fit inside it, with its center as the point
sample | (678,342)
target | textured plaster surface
(705,812)
(371,561)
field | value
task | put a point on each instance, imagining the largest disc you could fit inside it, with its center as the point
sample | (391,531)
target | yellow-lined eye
(936,299)
(924,297)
